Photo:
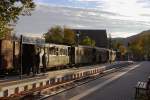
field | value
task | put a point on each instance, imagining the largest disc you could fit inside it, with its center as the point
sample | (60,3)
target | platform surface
(116,86)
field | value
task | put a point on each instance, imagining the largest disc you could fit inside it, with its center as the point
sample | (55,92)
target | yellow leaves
(117,45)
(69,36)
(60,35)
(141,45)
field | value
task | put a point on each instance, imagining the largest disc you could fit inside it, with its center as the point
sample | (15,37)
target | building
(100,36)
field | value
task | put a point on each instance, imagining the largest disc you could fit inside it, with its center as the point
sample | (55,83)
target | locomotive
(58,56)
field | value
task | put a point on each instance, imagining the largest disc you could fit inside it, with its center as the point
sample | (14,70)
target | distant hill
(132,38)
(125,41)
(120,40)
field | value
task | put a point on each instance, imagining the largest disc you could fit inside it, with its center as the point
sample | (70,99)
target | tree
(88,41)
(140,46)
(69,36)
(122,50)
(54,35)
(10,11)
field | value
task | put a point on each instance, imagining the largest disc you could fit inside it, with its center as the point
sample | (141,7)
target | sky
(120,18)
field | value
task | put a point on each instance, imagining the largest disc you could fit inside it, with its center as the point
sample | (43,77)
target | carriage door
(0,56)
(28,55)
(94,55)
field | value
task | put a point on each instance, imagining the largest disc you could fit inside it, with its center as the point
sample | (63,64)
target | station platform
(13,85)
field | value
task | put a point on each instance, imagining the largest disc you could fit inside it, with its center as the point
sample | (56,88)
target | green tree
(88,41)
(69,36)
(54,35)
(10,11)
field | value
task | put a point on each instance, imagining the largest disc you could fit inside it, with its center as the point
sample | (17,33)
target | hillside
(120,40)
(125,41)
(132,38)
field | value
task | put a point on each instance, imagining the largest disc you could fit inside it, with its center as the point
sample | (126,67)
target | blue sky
(71,3)
(121,18)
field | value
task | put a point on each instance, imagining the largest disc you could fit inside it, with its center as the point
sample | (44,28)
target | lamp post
(78,34)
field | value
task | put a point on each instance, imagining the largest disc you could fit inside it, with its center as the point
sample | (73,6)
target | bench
(142,88)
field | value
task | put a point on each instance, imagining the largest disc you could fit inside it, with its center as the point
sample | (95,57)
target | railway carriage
(57,55)
(101,55)
(9,55)
(81,55)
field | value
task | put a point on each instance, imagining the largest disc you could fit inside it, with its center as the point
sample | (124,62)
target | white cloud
(132,9)
(121,34)
(113,21)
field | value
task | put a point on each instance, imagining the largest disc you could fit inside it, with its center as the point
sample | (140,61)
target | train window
(62,51)
(57,51)
(52,51)
(65,52)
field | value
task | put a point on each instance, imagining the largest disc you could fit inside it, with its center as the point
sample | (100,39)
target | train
(57,56)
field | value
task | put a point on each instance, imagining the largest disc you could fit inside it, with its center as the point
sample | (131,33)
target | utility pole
(110,42)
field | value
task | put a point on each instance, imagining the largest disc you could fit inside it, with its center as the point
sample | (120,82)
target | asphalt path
(115,86)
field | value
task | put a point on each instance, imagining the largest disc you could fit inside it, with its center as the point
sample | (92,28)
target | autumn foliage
(60,35)
(140,47)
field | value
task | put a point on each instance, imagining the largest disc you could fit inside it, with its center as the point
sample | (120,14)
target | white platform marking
(89,91)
